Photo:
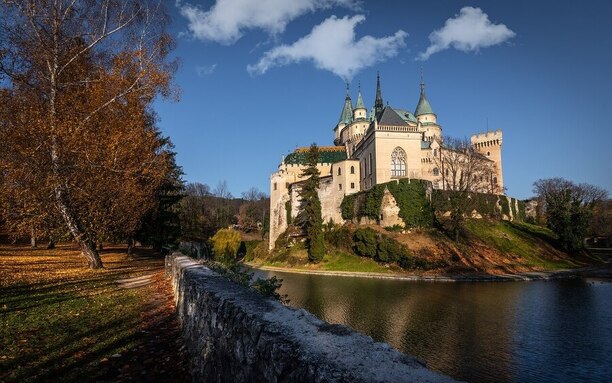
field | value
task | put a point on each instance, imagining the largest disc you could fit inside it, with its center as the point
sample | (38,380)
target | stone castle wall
(234,334)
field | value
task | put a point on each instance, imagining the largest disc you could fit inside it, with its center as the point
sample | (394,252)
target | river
(539,331)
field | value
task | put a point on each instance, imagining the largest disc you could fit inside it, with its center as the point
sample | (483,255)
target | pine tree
(310,215)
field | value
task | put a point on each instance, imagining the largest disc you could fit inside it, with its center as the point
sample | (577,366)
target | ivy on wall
(410,195)
(504,205)
(288,211)
(416,209)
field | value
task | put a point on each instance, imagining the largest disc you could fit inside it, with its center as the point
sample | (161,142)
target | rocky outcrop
(234,334)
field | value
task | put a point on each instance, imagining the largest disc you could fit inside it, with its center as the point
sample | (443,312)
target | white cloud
(205,70)
(331,45)
(226,21)
(469,31)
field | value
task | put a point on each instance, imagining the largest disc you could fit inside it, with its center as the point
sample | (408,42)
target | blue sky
(260,77)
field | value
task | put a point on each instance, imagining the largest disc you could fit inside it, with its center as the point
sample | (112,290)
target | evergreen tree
(310,215)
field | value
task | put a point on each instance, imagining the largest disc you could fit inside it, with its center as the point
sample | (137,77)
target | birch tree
(79,136)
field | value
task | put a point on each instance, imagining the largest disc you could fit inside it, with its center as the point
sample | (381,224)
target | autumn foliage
(80,153)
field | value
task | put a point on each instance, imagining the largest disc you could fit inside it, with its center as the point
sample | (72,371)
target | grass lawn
(297,258)
(61,321)
(535,245)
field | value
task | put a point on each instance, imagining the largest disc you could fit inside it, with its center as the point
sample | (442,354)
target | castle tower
(423,111)
(378,102)
(360,110)
(346,116)
(489,144)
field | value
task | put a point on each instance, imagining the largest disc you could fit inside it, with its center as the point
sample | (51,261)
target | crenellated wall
(234,334)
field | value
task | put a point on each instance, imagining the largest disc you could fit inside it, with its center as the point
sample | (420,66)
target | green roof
(423,106)
(360,104)
(325,156)
(425,144)
(347,111)
(405,115)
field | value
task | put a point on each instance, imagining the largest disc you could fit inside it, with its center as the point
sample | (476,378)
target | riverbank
(600,272)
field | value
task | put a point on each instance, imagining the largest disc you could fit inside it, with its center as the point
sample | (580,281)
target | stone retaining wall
(233,334)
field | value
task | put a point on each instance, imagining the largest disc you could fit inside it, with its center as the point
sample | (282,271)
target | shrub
(389,250)
(226,243)
(394,228)
(269,288)
(340,238)
(406,261)
(365,243)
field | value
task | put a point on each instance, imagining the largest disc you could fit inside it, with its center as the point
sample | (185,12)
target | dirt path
(160,356)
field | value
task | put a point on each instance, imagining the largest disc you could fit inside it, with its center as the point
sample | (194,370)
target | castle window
(370,162)
(352,170)
(436,172)
(339,171)
(495,180)
(398,162)
(352,185)
(275,186)
(435,152)
(339,186)
(488,154)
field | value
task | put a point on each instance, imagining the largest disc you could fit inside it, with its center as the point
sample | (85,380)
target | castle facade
(375,147)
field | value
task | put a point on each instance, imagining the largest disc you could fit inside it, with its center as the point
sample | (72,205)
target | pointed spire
(347,110)
(360,104)
(423,106)
(378,103)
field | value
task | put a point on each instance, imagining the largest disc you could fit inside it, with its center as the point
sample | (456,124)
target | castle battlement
(487,139)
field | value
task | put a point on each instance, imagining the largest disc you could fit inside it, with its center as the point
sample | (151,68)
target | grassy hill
(486,246)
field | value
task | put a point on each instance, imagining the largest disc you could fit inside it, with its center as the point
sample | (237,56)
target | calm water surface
(555,331)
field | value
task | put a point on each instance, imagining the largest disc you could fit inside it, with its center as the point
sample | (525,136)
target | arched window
(352,170)
(436,172)
(398,162)
(339,171)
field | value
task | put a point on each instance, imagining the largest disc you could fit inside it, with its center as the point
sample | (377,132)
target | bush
(269,288)
(226,243)
(340,238)
(365,242)
(389,250)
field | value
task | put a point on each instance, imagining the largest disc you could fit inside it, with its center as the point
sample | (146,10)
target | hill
(486,247)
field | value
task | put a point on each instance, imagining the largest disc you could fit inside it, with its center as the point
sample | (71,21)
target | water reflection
(479,332)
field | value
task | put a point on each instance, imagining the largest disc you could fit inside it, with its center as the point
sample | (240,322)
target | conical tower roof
(423,106)
(347,110)
(360,104)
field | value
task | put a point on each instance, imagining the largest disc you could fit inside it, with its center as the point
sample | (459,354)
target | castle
(372,148)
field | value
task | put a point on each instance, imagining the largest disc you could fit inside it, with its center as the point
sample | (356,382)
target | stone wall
(234,334)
